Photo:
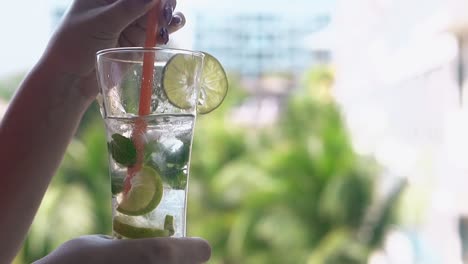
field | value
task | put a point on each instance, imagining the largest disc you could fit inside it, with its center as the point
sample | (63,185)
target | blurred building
(252,38)
(399,82)
(267,43)
(260,37)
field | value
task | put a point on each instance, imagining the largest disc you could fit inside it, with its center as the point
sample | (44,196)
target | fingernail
(164,34)
(176,20)
(167,12)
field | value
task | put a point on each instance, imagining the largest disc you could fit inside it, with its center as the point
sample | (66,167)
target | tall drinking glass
(149,155)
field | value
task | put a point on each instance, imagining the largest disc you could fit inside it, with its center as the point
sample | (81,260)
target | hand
(93,25)
(102,249)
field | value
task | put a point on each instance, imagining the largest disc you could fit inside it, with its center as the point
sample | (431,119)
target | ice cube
(172,144)
(114,103)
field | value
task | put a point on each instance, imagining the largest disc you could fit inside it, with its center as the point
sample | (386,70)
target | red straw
(145,93)
(148,61)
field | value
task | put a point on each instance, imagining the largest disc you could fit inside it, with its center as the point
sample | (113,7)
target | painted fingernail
(164,34)
(176,20)
(167,13)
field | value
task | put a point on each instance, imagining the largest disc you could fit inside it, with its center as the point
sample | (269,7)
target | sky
(294,6)
(25,27)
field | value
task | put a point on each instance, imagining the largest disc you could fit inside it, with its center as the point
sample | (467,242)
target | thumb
(122,13)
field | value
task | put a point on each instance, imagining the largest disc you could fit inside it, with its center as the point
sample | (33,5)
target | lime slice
(179,87)
(214,85)
(179,80)
(126,227)
(145,193)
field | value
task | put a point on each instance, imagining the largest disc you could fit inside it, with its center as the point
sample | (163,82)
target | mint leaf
(170,158)
(123,150)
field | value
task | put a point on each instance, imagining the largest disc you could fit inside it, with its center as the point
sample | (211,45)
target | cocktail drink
(149,151)
(153,196)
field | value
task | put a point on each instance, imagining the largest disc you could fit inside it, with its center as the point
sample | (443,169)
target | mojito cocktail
(149,151)
(149,154)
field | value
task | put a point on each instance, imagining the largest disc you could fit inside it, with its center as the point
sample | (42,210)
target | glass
(149,155)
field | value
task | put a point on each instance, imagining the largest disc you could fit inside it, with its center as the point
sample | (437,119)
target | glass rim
(143,49)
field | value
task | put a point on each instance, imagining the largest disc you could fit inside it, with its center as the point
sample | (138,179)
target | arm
(34,134)
(45,112)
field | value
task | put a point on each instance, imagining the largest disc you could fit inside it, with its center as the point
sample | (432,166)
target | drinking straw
(148,62)
(145,93)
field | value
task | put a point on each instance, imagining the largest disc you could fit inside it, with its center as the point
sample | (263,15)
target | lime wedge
(124,226)
(179,87)
(145,193)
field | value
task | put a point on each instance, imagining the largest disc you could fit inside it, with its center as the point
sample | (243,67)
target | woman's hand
(93,25)
(102,249)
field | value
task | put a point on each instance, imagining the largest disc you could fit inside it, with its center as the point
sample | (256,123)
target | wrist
(82,86)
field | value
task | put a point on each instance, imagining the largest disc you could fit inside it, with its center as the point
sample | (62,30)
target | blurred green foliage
(9,85)
(292,192)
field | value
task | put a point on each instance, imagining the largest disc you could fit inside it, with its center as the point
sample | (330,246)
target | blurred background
(342,140)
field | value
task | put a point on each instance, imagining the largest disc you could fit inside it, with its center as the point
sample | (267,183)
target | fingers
(177,22)
(165,19)
(195,251)
(132,20)
(163,250)
(134,35)
(104,249)
(127,11)
(167,11)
